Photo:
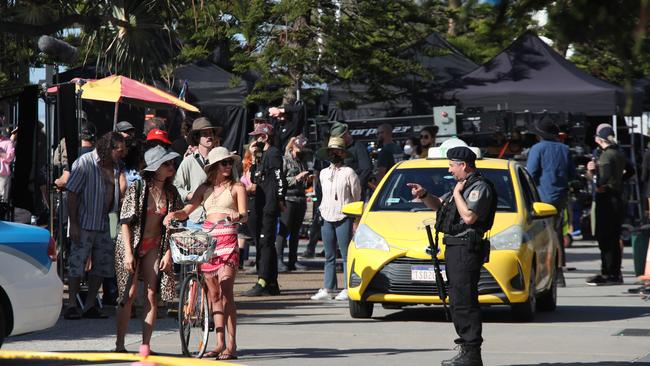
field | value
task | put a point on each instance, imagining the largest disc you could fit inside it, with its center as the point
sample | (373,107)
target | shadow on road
(602,363)
(280,353)
(563,314)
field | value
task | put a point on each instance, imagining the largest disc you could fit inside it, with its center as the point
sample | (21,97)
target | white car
(31,291)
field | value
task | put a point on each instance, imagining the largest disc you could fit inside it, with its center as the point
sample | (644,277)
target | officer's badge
(473,196)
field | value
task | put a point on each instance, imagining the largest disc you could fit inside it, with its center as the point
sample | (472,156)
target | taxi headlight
(510,238)
(366,238)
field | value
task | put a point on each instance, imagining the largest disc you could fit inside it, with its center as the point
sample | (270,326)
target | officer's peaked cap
(461,153)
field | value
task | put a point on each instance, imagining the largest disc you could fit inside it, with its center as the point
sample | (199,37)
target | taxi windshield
(395,195)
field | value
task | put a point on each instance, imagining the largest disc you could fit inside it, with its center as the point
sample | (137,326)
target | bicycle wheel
(193,317)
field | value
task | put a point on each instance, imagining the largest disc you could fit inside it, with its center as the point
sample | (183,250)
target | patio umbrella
(120,89)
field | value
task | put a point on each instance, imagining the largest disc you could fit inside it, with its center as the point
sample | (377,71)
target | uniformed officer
(464,216)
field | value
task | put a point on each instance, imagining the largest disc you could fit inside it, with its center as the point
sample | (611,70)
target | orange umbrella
(120,89)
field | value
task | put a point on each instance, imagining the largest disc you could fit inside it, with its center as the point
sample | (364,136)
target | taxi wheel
(547,300)
(360,309)
(525,312)
(3,324)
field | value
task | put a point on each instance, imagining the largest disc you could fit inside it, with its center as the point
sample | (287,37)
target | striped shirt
(86,180)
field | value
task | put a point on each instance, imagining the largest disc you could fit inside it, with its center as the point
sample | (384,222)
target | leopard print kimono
(133,213)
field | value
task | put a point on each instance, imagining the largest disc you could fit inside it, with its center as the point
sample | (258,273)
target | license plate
(426,273)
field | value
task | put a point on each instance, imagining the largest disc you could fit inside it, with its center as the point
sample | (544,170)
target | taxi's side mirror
(543,210)
(353,208)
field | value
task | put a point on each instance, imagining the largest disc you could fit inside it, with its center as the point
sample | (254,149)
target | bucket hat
(333,143)
(157,155)
(220,153)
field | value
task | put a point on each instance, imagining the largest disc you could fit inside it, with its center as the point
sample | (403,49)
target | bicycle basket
(192,246)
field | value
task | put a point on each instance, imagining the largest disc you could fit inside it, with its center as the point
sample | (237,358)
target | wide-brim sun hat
(156,156)
(220,153)
(333,143)
(202,124)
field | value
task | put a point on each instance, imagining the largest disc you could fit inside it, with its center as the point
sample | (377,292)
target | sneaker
(307,254)
(296,267)
(256,291)
(342,296)
(321,254)
(322,294)
(72,313)
(274,289)
(596,280)
(600,280)
(94,313)
(282,268)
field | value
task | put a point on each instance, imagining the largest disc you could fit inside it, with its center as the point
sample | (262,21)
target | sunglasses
(425,137)
(208,133)
(168,163)
(226,162)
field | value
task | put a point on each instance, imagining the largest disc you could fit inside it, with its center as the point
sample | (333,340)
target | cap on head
(124,126)
(300,141)
(338,129)
(461,153)
(262,129)
(158,135)
(605,132)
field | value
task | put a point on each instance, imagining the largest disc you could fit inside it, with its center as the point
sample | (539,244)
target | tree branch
(67,21)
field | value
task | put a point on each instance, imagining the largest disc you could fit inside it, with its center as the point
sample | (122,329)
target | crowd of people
(122,192)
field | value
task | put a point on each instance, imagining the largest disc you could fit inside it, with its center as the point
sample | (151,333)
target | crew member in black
(464,216)
(266,173)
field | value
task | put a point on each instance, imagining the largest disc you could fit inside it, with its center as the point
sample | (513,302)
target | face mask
(408,149)
(335,159)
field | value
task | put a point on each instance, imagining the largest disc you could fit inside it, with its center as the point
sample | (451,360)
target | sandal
(226,356)
(211,354)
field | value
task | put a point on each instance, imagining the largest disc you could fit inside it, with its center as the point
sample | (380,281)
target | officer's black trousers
(610,210)
(463,272)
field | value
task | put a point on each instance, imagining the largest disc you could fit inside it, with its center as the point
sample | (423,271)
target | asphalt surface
(291,329)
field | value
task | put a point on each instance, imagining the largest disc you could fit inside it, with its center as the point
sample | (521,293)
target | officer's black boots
(468,356)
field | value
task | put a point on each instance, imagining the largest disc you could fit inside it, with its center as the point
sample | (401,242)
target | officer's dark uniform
(465,253)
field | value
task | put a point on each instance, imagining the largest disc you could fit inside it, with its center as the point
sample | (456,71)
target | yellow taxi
(388,262)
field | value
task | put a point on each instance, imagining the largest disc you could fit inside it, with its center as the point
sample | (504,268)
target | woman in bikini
(141,249)
(223,197)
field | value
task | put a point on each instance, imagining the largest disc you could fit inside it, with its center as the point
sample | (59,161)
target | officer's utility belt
(453,240)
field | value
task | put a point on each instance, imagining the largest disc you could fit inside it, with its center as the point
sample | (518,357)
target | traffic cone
(646,272)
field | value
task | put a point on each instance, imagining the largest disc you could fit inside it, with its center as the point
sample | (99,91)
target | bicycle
(191,248)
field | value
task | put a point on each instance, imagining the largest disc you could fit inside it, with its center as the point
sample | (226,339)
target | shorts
(102,247)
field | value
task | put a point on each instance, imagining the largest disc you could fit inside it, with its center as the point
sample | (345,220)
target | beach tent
(530,75)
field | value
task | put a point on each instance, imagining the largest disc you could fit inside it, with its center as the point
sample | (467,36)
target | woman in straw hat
(141,248)
(223,197)
(340,186)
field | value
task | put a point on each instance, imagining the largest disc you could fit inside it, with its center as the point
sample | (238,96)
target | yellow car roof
(444,163)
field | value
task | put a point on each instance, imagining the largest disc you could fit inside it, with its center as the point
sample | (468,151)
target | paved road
(291,329)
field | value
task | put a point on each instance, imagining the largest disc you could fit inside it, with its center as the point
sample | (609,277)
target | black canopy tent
(442,60)
(530,75)
(220,97)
